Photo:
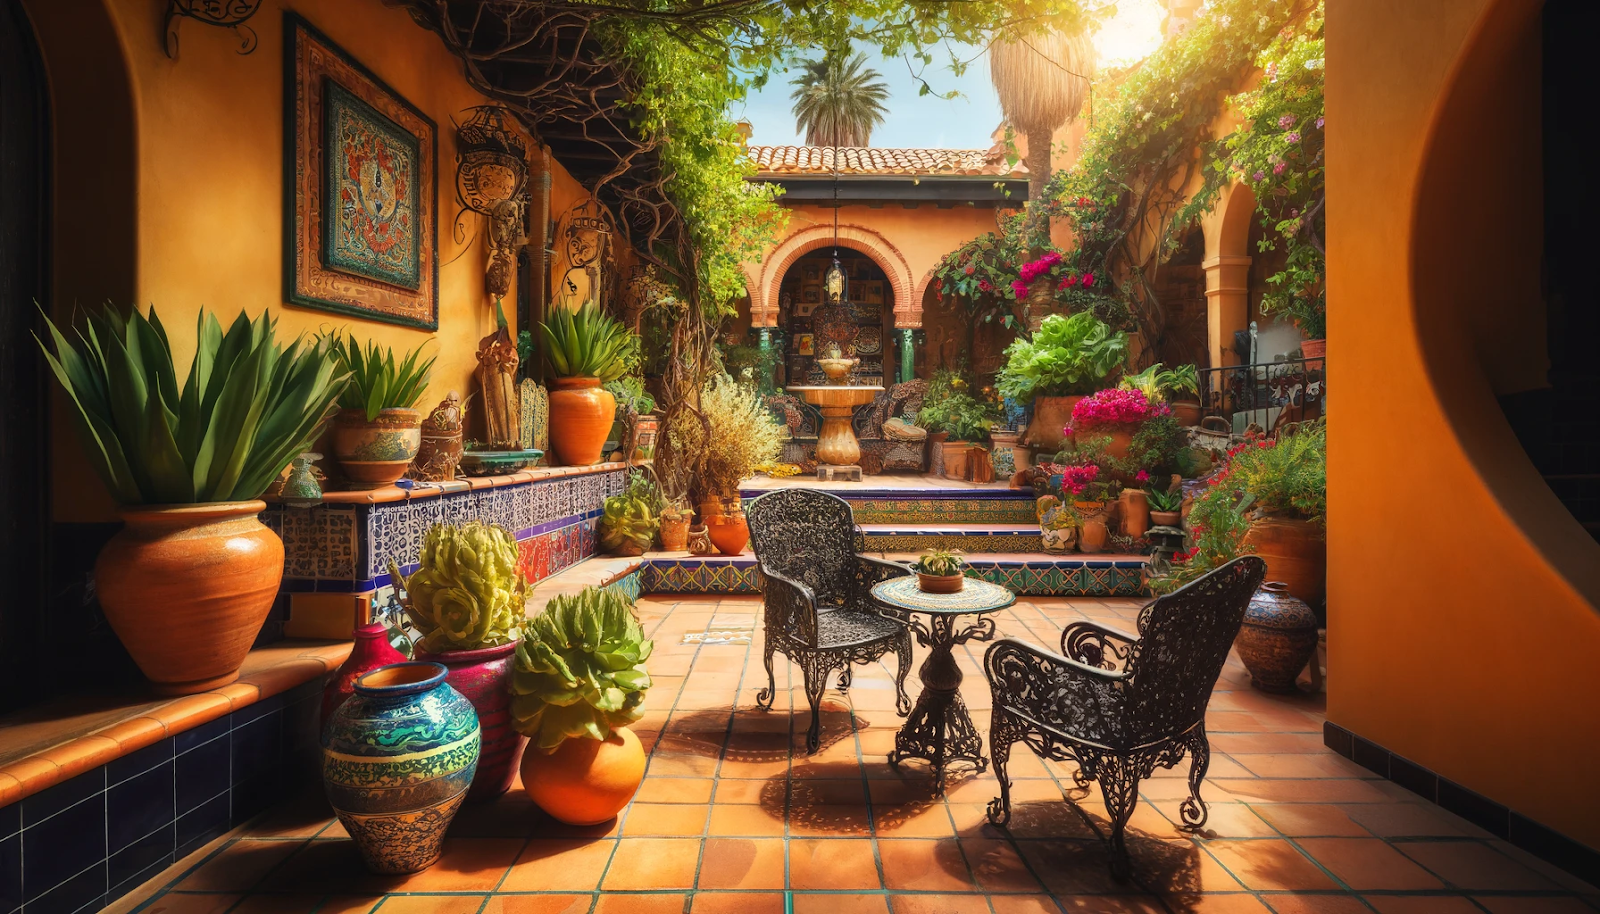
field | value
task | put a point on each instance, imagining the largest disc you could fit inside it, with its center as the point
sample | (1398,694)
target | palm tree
(1041,80)
(838,100)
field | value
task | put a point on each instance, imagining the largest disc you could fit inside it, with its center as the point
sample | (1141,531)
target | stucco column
(1227,303)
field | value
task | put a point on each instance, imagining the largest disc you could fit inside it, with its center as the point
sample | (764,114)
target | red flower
(1088,280)
(969,271)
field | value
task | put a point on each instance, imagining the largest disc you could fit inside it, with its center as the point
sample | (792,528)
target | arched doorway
(861,324)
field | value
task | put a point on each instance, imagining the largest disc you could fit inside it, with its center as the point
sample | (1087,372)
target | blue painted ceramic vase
(397,759)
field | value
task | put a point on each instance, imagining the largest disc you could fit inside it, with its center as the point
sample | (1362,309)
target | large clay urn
(375,453)
(1296,553)
(585,781)
(186,588)
(581,414)
(483,677)
(1050,417)
(1277,639)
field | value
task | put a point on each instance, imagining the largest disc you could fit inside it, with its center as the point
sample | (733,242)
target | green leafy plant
(1159,383)
(467,591)
(1164,499)
(959,414)
(377,382)
(586,343)
(579,670)
(1217,526)
(246,409)
(941,562)
(1069,355)
(632,398)
(738,435)
(1287,476)
(632,517)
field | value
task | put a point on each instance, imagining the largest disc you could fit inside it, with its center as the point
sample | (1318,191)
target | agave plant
(578,670)
(467,592)
(629,521)
(377,383)
(247,408)
(586,343)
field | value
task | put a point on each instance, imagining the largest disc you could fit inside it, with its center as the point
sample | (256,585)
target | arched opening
(861,324)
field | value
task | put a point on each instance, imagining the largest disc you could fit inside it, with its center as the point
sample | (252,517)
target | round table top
(975,596)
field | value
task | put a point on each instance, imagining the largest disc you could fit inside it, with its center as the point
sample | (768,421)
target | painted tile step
(974,538)
(934,505)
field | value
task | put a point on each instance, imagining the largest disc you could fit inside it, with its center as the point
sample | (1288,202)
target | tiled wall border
(89,840)
(1046,578)
(1495,818)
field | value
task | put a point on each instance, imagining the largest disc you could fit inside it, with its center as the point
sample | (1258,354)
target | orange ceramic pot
(1134,510)
(580,420)
(1187,412)
(1296,553)
(675,534)
(730,533)
(1050,416)
(585,781)
(955,458)
(374,454)
(186,588)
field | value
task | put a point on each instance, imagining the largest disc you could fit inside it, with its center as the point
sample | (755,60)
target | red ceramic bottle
(371,650)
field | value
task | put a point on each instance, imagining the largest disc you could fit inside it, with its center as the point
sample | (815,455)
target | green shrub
(1069,355)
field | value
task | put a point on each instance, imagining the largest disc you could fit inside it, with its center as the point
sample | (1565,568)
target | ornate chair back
(806,535)
(1183,642)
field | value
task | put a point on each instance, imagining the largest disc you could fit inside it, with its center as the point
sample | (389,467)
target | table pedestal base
(940,730)
(830,473)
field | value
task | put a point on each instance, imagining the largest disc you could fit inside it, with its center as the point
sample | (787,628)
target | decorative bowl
(837,371)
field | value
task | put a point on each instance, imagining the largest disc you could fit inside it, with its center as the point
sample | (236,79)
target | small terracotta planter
(675,534)
(955,458)
(940,583)
(730,533)
(581,414)
(1094,534)
(376,453)
(1187,412)
(1050,416)
(1134,506)
(1166,518)
(1296,553)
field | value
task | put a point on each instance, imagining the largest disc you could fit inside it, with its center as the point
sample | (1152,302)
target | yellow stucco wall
(182,206)
(1462,596)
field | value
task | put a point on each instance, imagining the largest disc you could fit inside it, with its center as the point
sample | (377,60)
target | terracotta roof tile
(875,160)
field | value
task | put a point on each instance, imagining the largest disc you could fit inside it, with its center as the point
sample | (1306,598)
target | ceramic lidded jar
(397,759)
(1277,639)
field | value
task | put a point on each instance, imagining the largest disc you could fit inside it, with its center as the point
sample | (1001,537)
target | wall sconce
(227,14)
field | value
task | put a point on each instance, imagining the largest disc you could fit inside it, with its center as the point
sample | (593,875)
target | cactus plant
(579,669)
(468,592)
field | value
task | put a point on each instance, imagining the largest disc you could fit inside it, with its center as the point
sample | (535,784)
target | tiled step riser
(971,544)
(1059,578)
(937,507)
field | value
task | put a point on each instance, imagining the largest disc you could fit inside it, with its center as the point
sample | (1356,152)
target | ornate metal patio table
(940,730)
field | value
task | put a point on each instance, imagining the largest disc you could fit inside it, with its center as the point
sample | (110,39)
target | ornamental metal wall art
(585,233)
(491,180)
(361,165)
(227,14)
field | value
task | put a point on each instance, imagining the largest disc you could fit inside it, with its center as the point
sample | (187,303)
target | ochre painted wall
(201,222)
(1462,597)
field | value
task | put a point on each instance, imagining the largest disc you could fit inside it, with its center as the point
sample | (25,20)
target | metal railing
(1266,394)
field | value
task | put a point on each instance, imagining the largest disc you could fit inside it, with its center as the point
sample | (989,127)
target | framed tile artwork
(804,344)
(361,228)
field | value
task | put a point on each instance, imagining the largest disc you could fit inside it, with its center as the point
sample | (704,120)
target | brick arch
(764,295)
(914,317)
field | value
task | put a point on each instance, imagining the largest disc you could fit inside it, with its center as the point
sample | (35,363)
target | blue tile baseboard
(91,839)
(1495,818)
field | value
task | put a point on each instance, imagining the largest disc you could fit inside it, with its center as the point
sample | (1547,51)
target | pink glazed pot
(370,651)
(484,677)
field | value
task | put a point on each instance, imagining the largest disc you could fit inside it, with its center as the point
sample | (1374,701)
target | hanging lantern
(833,282)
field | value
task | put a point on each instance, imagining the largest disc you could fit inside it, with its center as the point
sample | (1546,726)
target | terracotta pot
(375,454)
(186,588)
(730,533)
(370,651)
(483,677)
(1278,638)
(1314,349)
(955,458)
(1119,445)
(396,762)
(642,437)
(711,507)
(1050,416)
(1296,553)
(581,414)
(585,781)
(940,583)
(1092,538)
(1166,518)
(675,534)
(1187,412)
(1134,506)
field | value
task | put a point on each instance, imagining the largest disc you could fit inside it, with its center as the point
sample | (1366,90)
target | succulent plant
(586,343)
(376,382)
(578,670)
(468,592)
(941,562)
(632,517)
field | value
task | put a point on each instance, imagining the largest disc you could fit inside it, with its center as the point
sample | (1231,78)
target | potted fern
(188,581)
(579,682)
(378,429)
(583,349)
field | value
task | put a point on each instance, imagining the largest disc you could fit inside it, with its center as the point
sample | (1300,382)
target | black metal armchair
(1118,705)
(818,596)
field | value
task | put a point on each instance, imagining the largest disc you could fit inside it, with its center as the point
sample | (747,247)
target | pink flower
(1278,168)
(1115,406)
(1319,123)
(1076,479)
(1286,121)
(1141,477)
(1020,288)
(983,285)
(1293,137)
(1259,176)
(1088,280)
(1067,282)
(1034,269)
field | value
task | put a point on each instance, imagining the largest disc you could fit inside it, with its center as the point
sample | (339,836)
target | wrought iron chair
(1118,705)
(818,602)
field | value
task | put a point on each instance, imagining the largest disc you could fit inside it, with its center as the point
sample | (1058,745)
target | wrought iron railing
(1266,395)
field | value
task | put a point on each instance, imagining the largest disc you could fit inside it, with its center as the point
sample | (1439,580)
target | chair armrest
(869,572)
(1073,699)
(1097,645)
(791,606)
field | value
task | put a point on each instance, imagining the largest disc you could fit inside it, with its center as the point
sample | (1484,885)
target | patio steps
(928,503)
(968,538)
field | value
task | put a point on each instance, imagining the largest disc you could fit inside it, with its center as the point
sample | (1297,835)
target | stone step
(969,538)
(929,504)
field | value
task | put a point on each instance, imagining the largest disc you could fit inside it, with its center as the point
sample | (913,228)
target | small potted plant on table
(579,682)
(378,430)
(941,571)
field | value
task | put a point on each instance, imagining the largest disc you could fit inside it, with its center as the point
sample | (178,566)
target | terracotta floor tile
(653,903)
(1368,863)
(997,866)
(742,863)
(1105,904)
(277,904)
(682,765)
(813,792)
(840,904)
(938,904)
(1269,864)
(924,865)
(1422,904)
(653,863)
(1533,904)
(537,904)
(1302,765)
(830,820)
(737,903)
(1075,867)
(841,864)
(1024,904)
(912,821)
(431,904)
(198,903)
(769,791)
(674,790)
(1177,866)
(1238,903)
(1304,790)
(664,820)
(239,866)
(745,821)
(1310,820)
(560,865)
(345,904)
(468,865)
(1410,820)
(1470,865)
(1317,904)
